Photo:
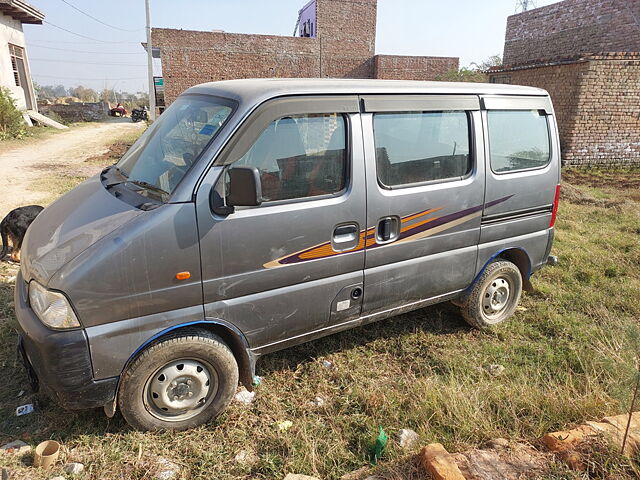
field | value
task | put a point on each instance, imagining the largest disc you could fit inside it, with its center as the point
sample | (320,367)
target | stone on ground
(166,469)
(246,457)
(17,447)
(297,476)
(73,468)
(407,438)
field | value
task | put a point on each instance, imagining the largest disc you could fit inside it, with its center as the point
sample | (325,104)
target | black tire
(196,351)
(486,304)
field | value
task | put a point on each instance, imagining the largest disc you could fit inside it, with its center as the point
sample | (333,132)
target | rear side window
(300,156)
(417,147)
(518,140)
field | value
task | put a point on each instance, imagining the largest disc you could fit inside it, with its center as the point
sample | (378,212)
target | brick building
(586,53)
(337,39)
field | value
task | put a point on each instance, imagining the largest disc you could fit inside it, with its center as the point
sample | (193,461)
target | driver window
(300,156)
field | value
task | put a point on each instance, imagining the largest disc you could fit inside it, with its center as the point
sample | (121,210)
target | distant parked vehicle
(118,111)
(138,114)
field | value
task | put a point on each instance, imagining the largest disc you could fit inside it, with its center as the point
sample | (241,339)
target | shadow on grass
(442,319)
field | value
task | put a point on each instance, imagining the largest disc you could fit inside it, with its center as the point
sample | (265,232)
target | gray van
(259,214)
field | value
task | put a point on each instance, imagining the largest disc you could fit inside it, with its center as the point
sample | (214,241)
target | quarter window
(518,140)
(300,156)
(421,147)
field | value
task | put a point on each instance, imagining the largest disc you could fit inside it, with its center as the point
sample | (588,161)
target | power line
(98,20)
(78,78)
(141,52)
(88,63)
(80,35)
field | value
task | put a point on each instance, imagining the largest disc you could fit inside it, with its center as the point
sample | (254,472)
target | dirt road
(62,154)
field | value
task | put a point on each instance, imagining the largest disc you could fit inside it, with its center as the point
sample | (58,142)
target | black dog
(14,226)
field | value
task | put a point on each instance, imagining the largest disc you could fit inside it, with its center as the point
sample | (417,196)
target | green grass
(566,357)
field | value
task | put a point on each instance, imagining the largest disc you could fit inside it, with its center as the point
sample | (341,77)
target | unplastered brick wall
(572,27)
(607,123)
(192,57)
(344,48)
(347,36)
(398,67)
(597,104)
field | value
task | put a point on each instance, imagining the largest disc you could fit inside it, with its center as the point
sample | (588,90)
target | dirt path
(65,151)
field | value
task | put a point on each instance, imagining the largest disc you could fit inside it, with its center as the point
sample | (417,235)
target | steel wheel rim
(180,389)
(496,297)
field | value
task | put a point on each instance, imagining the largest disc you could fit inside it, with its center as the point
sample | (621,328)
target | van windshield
(161,157)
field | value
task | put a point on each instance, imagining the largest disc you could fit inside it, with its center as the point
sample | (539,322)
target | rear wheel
(179,383)
(494,297)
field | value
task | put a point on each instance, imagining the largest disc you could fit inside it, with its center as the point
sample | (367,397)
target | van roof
(260,89)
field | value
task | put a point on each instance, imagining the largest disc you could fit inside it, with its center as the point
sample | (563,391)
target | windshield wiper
(147,186)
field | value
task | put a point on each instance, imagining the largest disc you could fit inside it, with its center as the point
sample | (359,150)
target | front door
(425,197)
(288,267)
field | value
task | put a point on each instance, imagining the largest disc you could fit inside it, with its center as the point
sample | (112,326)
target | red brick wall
(347,34)
(344,48)
(398,67)
(596,102)
(191,57)
(571,28)
(607,123)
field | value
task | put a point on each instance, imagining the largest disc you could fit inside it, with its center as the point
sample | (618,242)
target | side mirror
(243,187)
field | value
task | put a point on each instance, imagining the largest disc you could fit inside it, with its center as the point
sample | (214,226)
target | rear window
(518,140)
(417,147)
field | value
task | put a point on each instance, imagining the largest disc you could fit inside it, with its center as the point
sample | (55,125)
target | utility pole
(152,89)
(524,5)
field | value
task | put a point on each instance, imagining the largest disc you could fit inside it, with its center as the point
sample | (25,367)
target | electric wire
(98,20)
(79,34)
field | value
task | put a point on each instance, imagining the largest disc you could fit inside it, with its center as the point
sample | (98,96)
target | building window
(505,78)
(301,156)
(421,147)
(17,56)
(518,140)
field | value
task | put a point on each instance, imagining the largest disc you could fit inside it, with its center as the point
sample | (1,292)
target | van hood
(70,225)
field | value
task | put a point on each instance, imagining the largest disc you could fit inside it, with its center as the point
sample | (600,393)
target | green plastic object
(378,448)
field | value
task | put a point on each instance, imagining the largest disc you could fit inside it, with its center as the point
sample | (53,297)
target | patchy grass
(565,353)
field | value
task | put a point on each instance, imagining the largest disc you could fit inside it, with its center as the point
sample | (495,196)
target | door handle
(345,237)
(388,229)
(345,233)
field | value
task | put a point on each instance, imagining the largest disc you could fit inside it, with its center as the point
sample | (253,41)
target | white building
(14,66)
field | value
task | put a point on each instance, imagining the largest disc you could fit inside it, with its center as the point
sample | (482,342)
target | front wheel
(494,297)
(179,383)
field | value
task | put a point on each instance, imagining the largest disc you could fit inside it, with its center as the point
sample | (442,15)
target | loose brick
(439,463)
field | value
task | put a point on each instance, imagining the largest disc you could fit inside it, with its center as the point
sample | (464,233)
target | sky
(96,55)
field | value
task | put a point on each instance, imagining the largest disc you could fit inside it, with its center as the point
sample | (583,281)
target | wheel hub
(180,389)
(496,297)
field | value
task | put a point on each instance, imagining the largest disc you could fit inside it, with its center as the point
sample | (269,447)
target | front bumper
(59,360)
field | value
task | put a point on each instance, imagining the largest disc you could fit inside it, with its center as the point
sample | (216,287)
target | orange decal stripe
(420,214)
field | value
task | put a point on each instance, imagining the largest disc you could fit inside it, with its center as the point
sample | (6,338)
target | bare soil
(64,154)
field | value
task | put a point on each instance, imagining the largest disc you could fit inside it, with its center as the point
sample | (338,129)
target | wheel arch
(516,255)
(231,335)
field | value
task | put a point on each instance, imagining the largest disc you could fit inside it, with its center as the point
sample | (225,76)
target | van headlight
(52,308)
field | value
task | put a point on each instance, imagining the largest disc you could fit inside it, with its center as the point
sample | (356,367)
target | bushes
(12,124)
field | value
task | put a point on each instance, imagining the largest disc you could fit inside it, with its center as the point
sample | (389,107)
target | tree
(60,91)
(492,61)
(83,93)
(473,73)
